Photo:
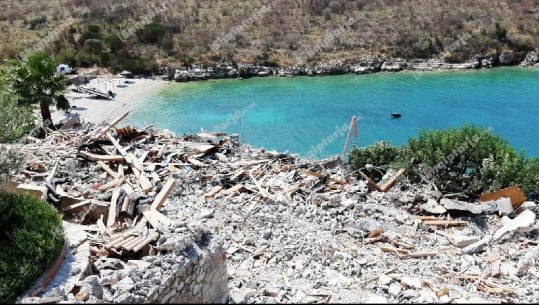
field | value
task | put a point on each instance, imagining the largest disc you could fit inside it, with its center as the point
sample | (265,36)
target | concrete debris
(456,205)
(529,205)
(411,282)
(462,241)
(504,206)
(433,207)
(523,223)
(155,217)
(478,246)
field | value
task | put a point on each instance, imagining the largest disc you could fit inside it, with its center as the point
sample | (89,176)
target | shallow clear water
(295,114)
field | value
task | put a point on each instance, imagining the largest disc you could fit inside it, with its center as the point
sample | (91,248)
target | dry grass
(407,28)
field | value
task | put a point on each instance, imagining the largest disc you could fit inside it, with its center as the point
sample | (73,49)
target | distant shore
(130,93)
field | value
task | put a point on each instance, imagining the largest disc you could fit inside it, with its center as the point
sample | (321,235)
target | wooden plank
(262,191)
(111,184)
(213,192)
(234,189)
(77,205)
(128,189)
(513,192)
(146,242)
(151,218)
(101,226)
(160,217)
(125,204)
(163,194)
(444,222)
(155,177)
(110,126)
(392,180)
(107,169)
(107,158)
(195,162)
(423,217)
(143,157)
(135,162)
(370,181)
(111,219)
(314,174)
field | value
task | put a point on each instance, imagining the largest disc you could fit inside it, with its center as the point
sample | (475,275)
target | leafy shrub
(151,33)
(501,31)
(31,237)
(36,22)
(93,32)
(15,121)
(115,43)
(471,160)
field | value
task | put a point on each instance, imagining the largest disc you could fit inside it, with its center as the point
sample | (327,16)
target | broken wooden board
(112,210)
(444,222)
(314,174)
(155,218)
(213,192)
(107,158)
(389,184)
(232,190)
(163,194)
(514,193)
(111,184)
(97,133)
(370,182)
(107,169)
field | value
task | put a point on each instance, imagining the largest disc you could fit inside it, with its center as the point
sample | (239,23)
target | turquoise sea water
(295,114)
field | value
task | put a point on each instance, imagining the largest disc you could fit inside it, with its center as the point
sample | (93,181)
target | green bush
(115,43)
(470,160)
(31,237)
(501,31)
(15,121)
(381,154)
(151,33)
(93,32)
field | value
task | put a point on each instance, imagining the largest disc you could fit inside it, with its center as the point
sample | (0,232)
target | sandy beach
(129,94)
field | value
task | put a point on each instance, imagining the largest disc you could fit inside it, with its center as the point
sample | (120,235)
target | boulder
(506,58)
(531,59)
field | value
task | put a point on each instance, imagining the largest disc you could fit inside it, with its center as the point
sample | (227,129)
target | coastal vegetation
(31,233)
(143,35)
(31,237)
(34,82)
(471,160)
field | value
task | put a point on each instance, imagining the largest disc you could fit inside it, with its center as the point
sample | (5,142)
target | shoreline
(130,93)
(377,65)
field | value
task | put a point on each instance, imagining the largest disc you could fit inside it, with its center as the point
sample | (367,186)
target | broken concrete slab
(523,223)
(462,241)
(431,206)
(504,206)
(456,205)
(478,246)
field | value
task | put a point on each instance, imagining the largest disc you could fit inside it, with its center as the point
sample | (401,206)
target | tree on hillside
(34,81)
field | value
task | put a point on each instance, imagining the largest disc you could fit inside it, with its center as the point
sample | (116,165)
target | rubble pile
(294,230)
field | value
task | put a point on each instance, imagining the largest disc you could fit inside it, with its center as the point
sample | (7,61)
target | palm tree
(35,82)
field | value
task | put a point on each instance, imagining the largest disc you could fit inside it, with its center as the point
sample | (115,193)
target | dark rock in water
(396,115)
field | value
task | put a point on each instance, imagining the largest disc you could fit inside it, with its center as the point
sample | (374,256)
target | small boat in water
(396,115)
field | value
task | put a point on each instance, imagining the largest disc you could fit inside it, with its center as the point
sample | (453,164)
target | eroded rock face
(505,58)
(531,59)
